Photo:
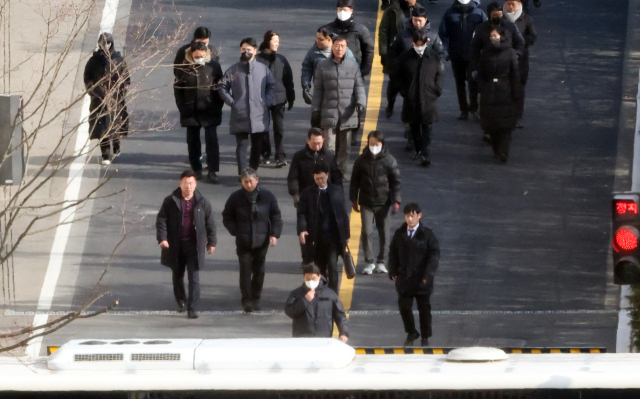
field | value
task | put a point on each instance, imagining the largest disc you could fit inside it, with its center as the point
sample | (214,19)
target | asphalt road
(531,235)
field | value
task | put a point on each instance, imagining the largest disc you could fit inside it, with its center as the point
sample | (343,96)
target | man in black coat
(314,307)
(419,77)
(358,37)
(200,106)
(201,34)
(186,231)
(252,216)
(375,187)
(106,78)
(513,12)
(414,255)
(323,224)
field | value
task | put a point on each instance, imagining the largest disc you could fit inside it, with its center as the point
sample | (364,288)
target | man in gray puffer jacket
(339,100)
(249,88)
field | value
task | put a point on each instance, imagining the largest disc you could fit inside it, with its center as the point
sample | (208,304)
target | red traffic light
(626,207)
(626,239)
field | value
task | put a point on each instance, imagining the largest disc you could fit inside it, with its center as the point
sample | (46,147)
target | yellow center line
(374,100)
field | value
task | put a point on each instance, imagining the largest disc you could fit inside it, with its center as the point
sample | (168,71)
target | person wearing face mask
(323,224)
(414,255)
(201,34)
(338,100)
(456,31)
(249,88)
(314,307)
(285,93)
(500,89)
(513,12)
(200,106)
(374,190)
(107,79)
(253,217)
(321,50)
(420,78)
(359,39)
(395,19)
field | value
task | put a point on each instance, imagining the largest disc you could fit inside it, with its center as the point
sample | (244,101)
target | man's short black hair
(420,36)
(187,173)
(198,46)
(419,13)
(339,39)
(311,269)
(320,167)
(412,207)
(326,31)
(201,32)
(250,41)
(376,134)
(314,131)
(493,6)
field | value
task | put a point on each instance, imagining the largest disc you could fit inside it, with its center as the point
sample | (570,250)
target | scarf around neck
(252,197)
(512,16)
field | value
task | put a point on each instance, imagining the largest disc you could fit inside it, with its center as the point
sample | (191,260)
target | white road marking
(71,195)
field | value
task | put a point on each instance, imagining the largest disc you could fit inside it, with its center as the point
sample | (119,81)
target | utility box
(11,139)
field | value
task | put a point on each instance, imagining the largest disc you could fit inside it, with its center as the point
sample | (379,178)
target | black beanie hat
(493,6)
(345,3)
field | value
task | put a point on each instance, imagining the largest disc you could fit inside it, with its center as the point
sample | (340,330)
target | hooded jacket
(301,169)
(393,21)
(169,227)
(179,60)
(315,318)
(195,92)
(281,71)
(310,63)
(338,88)
(359,40)
(249,88)
(457,27)
(375,180)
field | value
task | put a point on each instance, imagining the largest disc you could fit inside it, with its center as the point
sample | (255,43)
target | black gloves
(306,95)
(360,109)
(383,60)
(290,105)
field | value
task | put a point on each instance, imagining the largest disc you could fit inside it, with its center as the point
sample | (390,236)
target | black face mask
(496,20)
(245,57)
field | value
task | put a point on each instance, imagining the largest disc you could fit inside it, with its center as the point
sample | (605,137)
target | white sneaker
(106,162)
(380,268)
(368,269)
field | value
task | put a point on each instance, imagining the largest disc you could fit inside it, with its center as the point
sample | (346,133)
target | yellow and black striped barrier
(444,351)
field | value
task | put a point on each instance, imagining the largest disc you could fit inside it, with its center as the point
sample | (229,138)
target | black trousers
(421,135)
(188,260)
(252,271)
(326,258)
(195,147)
(520,103)
(277,116)
(405,303)
(459,67)
(242,141)
(500,141)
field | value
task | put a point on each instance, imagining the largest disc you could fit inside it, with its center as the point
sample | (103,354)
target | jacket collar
(310,153)
(177,197)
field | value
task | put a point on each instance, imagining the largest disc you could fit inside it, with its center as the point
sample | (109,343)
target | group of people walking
(489,54)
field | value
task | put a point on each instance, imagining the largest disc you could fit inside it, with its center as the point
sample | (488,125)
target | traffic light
(626,226)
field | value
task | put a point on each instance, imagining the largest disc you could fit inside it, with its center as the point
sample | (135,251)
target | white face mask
(344,15)
(375,150)
(199,61)
(420,49)
(312,284)
(464,1)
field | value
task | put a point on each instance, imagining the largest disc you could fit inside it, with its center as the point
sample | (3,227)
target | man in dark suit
(323,224)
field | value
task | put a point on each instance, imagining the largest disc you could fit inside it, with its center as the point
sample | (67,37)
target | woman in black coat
(200,106)
(285,93)
(106,78)
(500,88)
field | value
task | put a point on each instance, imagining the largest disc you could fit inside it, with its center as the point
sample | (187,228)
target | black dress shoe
(410,338)
(424,342)
(504,158)
(198,174)
(180,307)
(256,305)
(425,161)
(212,177)
(463,116)
(388,112)
(247,306)
(192,314)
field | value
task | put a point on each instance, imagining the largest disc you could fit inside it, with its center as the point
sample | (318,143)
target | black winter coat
(499,86)
(308,216)
(107,78)
(300,172)
(394,19)
(252,231)
(179,60)
(528,32)
(315,318)
(457,27)
(375,180)
(281,71)
(169,227)
(403,42)
(195,91)
(481,40)
(359,40)
(419,80)
(414,260)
